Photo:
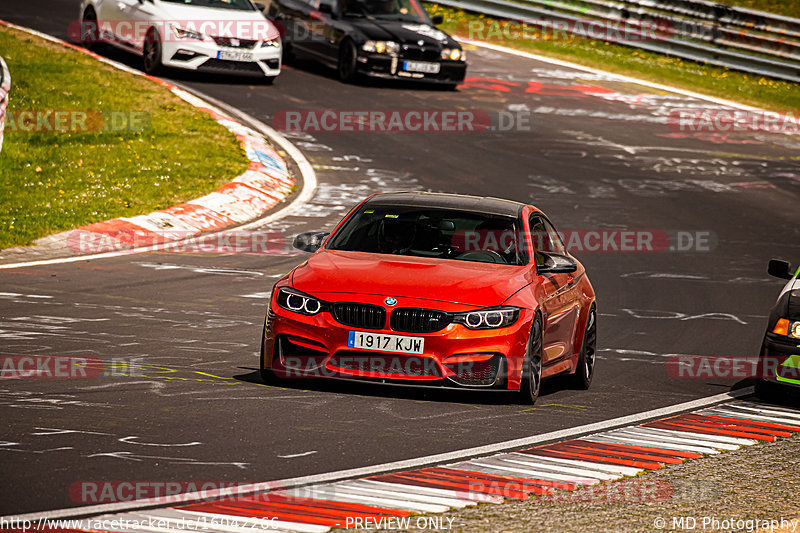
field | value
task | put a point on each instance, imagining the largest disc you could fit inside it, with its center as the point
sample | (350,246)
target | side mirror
(556,264)
(780,269)
(326,7)
(437,19)
(261,7)
(310,242)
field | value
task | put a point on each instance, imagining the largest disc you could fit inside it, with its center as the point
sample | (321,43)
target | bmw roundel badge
(390,301)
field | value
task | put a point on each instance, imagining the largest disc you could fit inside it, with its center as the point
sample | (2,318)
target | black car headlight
(381,47)
(787,328)
(453,54)
(299,302)
(488,318)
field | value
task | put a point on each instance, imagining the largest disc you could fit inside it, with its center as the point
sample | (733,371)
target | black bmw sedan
(381,38)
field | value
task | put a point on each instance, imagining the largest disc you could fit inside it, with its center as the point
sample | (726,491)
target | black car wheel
(532,365)
(766,391)
(152,52)
(585,371)
(288,52)
(347,61)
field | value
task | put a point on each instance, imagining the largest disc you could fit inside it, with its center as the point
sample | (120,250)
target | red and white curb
(5,88)
(264,184)
(539,472)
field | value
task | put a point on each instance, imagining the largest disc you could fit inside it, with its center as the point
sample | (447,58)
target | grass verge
(709,80)
(787,8)
(153,150)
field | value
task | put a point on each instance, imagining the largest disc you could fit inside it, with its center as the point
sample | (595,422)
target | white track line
(306,169)
(409,463)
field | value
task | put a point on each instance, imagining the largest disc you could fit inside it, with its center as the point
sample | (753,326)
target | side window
(555,239)
(544,238)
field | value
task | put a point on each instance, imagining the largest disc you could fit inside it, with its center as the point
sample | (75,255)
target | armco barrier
(751,41)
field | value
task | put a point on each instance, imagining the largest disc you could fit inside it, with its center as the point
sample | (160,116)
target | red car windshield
(435,233)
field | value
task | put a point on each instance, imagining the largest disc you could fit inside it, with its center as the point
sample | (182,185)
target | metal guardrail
(5,88)
(751,41)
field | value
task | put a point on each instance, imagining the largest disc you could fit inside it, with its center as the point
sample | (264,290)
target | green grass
(786,8)
(713,81)
(51,181)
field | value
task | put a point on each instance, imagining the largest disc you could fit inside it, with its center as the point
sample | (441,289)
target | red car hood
(463,282)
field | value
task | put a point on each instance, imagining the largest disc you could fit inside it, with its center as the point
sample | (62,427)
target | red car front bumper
(301,346)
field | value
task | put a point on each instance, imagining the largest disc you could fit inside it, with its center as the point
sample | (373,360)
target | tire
(347,61)
(288,55)
(269,80)
(151,53)
(90,30)
(586,361)
(766,391)
(532,365)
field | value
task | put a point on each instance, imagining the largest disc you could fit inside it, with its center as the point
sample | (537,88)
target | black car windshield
(403,10)
(238,5)
(435,233)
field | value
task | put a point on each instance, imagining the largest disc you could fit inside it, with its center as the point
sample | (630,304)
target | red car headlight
(300,302)
(488,318)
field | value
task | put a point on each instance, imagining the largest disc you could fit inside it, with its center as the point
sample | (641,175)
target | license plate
(235,55)
(363,340)
(421,66)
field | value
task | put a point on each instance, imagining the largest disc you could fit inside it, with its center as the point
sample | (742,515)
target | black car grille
(476,373)
(420,53)
(231,66)
(235,43)
(360,315)
(413,320)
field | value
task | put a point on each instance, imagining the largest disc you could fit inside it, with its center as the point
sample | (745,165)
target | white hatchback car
(223,36)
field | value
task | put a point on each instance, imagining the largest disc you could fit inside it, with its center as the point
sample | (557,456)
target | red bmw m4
(436,290)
